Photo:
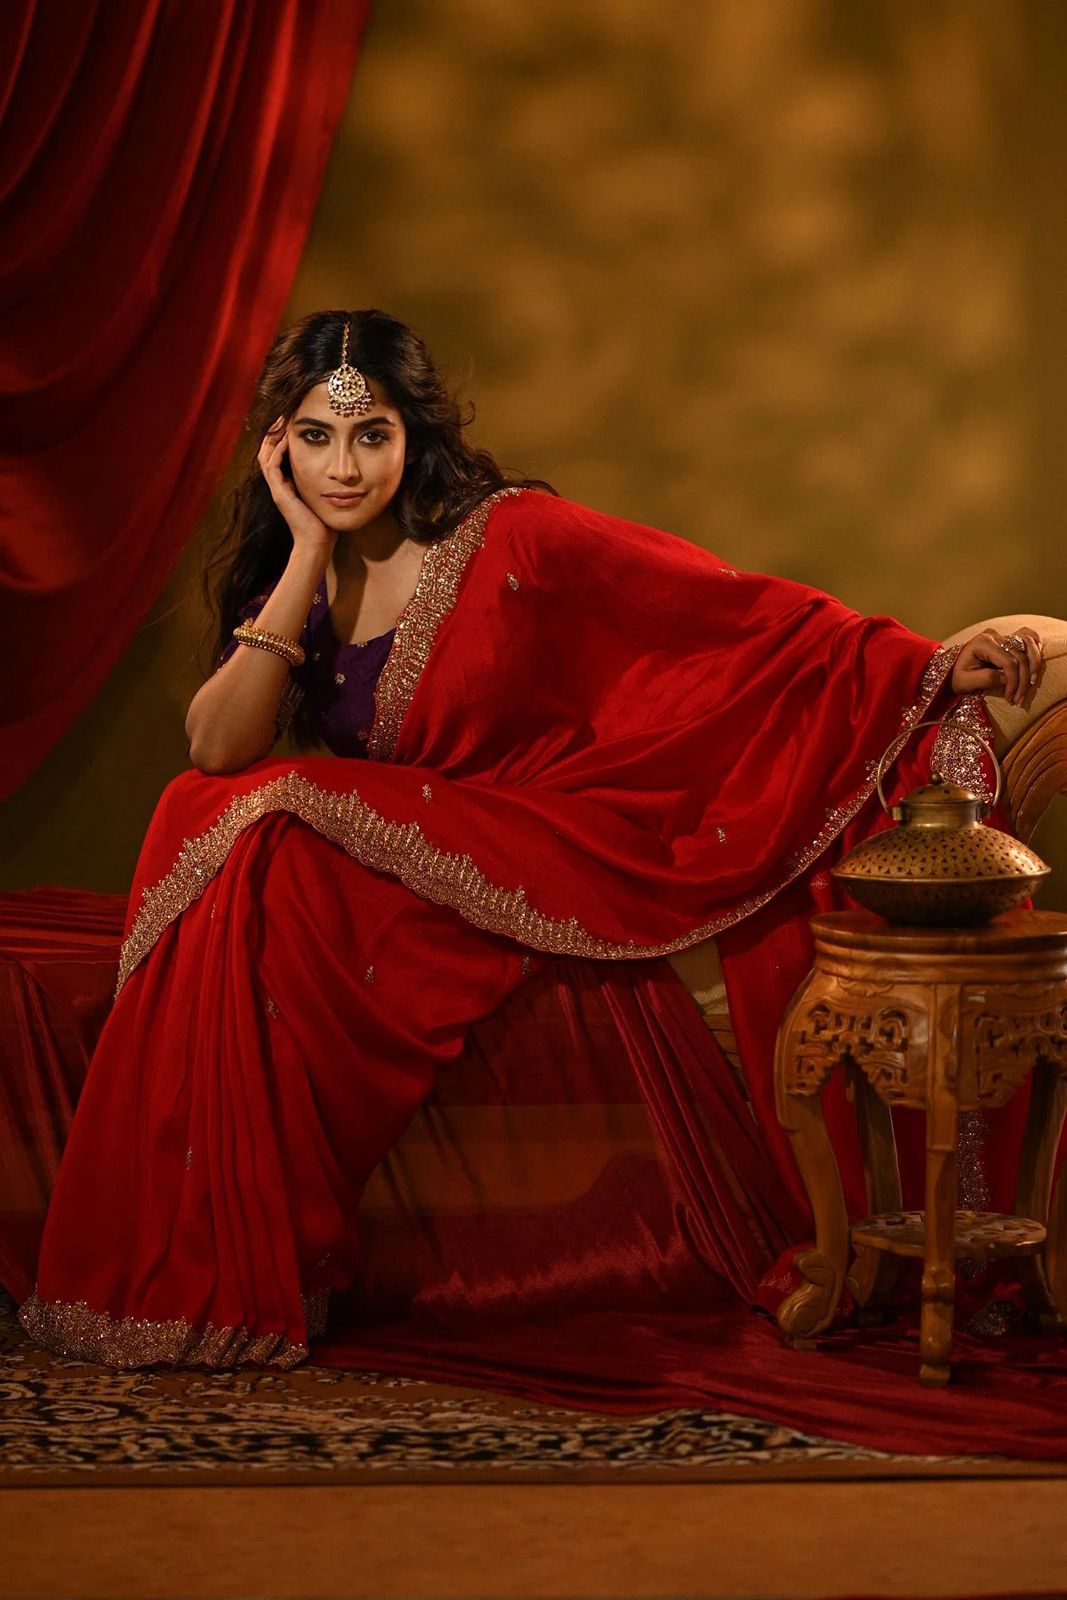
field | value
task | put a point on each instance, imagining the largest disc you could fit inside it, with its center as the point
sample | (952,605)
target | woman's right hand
(309,532)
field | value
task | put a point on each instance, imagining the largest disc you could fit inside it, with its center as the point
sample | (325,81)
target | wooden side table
(944,1020)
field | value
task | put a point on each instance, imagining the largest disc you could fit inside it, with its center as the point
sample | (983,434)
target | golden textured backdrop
(783,276)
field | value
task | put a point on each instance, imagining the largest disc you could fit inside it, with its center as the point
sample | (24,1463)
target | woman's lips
(344,499)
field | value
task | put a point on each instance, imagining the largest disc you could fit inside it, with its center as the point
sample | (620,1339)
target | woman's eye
(373,436)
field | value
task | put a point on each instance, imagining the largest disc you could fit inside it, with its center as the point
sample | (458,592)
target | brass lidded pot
(940,867)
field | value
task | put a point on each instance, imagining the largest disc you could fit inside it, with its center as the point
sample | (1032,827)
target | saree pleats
(252,1073)
(591,1149)
(285,1040)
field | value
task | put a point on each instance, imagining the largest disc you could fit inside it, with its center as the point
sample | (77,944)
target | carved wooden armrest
(1035,769)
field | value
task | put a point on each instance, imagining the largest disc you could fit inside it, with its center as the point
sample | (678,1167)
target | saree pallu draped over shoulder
(592,740)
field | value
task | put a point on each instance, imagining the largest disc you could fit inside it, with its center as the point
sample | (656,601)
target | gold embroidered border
(443,566)
(958,757)
(73,1328)
(402,849)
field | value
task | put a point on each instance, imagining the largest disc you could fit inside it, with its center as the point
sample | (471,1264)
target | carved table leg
(1056,1248)
(810,1308)
(1044,1124)
(873,1274)
(939,1256)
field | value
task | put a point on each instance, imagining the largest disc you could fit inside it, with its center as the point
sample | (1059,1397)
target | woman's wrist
(309,561)
(284,613)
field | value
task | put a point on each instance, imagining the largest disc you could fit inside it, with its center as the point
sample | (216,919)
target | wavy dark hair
(444,477)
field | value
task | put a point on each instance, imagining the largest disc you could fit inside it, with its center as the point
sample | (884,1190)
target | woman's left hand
(991,661)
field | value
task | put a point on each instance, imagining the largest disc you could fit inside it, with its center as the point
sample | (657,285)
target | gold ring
(1014,641)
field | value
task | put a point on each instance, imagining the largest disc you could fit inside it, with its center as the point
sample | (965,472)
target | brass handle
(958,727)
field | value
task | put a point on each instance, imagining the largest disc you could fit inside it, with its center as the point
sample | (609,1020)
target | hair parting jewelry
(347,390)
(276,643)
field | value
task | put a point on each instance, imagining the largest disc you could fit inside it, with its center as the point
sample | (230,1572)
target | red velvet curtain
(58,954)
(159,167)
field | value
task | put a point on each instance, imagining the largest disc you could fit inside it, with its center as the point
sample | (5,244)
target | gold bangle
(276,643)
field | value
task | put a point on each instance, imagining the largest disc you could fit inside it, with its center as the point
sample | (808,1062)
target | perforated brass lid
(940,864)
(941,851)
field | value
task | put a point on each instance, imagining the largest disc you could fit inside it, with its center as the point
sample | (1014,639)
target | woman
(565,735)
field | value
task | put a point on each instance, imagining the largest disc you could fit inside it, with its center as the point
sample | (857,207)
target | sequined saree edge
(446,878)
(435,595)
(75,1330)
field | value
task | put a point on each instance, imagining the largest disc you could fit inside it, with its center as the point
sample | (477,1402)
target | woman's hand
(309,532)
(992,661)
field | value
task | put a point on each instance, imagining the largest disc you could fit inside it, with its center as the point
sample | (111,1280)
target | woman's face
(347,469)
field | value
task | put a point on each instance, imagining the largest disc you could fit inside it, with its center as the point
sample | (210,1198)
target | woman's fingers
(276,434)
(1034,646)
(271,451)
(988,662)
(276,453)
(1015,677)
(266,451)
(1025,645)
(303,524)
(987,647)
(266,462)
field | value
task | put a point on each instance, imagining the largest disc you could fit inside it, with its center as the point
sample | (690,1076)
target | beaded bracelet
(276,643)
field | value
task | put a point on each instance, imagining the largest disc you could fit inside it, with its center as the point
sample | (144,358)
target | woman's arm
(231,720)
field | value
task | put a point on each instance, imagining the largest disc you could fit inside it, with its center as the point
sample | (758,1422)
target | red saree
(592,740)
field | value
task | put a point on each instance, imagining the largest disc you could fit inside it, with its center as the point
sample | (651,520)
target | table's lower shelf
(980,1235)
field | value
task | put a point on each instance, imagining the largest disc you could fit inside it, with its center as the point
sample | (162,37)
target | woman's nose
(344,466)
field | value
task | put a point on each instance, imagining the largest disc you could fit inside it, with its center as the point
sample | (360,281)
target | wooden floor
(928,1538)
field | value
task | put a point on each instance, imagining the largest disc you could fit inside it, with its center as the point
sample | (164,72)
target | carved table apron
(944,1020)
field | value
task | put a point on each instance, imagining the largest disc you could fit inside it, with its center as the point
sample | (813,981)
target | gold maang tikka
(346,387)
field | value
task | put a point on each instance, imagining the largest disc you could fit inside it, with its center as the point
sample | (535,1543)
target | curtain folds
(58,952)
(160,166)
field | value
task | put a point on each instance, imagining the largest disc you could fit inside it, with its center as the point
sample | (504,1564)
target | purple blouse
(337,680)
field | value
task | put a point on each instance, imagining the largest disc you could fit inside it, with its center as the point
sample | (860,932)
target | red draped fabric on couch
(159,167)
(532,1232)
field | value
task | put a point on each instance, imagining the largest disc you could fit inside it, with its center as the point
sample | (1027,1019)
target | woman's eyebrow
(365,422)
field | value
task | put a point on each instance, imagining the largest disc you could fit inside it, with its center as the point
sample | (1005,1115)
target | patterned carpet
(61,1421)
